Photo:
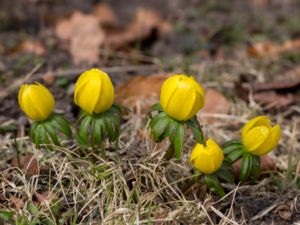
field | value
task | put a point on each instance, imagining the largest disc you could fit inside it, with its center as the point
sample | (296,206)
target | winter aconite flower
(207,158)
(101,119)
(38,104)
(181,97)
(36,101)
(94,91)
(259,137)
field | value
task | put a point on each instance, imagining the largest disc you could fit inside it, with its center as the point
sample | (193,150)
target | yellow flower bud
(259,137)
(36,101)
(181,97)
(207,158)
(94,91)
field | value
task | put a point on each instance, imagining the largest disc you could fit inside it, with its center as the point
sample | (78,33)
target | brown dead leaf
(17,202)
(49,78)
(31,46)
(145,22)
(266,164)
(29,164)
(215,103)
(271,95)
(268,48)
(84,34)
(276,85)
(104,14)
(140,88)
(42,197)
(270,99)
(285,211)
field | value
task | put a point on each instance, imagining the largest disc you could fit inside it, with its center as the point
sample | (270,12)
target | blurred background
(245,53)
(237,47)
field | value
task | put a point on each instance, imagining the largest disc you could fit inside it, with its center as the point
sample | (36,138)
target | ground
(245,53)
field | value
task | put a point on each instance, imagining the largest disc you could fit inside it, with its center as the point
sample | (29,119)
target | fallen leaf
(272,95)
(268,48)
(140,89)
(84,34)
(270,99)
(17,202)
(277,85)
(146,21)
(266,164)
(28,163)
(284,211)
(104,14)
(31,46)
(42,197)
(215,103)
(49,78)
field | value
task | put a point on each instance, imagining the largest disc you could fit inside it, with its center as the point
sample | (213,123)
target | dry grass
(135,185)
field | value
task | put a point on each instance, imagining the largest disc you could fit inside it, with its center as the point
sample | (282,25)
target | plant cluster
(180,99)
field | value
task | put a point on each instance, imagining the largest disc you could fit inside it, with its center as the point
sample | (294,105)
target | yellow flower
(36,101)
(94,91)
(181,97)
(259,137)
(207,158)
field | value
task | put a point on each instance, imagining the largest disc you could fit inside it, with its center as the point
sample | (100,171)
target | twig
(220,214)
(266,211)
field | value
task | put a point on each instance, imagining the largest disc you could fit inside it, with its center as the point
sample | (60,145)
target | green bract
(163,126)
(93,129)
(250,164)
(46,132)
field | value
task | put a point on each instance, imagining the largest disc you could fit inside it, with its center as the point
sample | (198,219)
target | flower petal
(21,95)
(81,81)
(196,151)
(270,144)
(106,95)
(256,137)
(167,91)
(257,121)
(216,153)
(181,97)
(88,95)
(41,101)
(205,163)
